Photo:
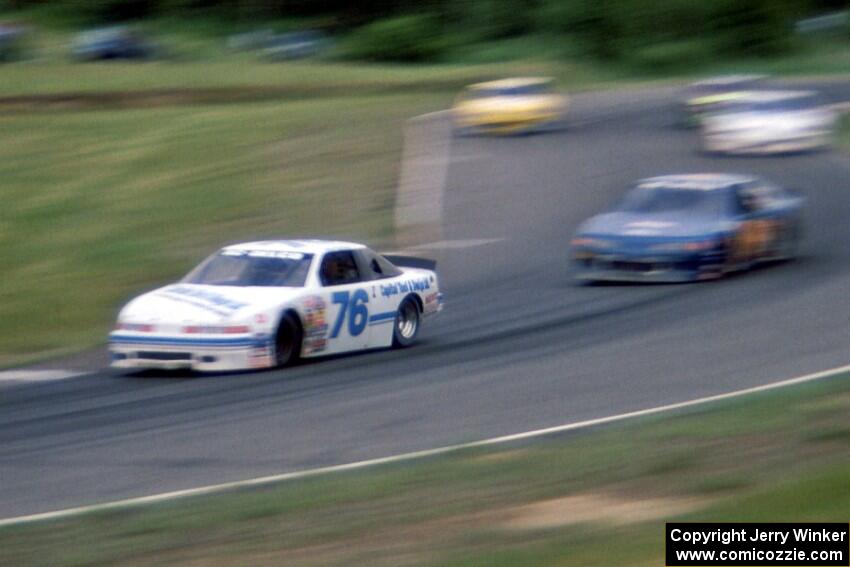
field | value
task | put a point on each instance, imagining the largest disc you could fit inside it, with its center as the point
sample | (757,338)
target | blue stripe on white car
(380,318)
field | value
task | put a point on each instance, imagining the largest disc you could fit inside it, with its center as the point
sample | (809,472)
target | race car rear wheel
(287,341)
(789,243)
(406,326)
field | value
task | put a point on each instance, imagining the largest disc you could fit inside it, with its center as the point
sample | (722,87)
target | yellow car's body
(509,106)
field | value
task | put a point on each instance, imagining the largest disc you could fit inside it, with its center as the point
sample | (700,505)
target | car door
(348,297)
(761,220)
(384,296)
(783,209)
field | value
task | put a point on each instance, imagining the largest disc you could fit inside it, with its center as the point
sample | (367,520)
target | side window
(740,204)
(763,196)
(773,195)
(389,269)
(339,268)
(375,269)
(375,266)
(748,199)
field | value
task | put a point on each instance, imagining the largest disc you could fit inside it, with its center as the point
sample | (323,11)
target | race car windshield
(244,268)
(723,87)
(673,199)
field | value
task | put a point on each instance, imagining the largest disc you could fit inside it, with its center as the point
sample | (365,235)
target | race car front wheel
(406,326)
(287,341)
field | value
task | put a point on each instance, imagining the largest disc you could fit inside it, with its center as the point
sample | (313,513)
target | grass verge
(596,498)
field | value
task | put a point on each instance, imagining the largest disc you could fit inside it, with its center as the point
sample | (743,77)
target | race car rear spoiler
(412,262)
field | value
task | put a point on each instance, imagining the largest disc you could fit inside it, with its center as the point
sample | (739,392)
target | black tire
(287,341)
(789,243)
(406,323)
(730,266)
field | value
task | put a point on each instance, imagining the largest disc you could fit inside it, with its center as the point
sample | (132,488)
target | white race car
(265,304)
(769,122)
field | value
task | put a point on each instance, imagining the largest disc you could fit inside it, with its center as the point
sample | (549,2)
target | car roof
(307,246)
(728,80)
(696,181)
(511,83)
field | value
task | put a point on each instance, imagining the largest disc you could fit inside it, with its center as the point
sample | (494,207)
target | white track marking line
(437,114)
(448,245)
(216,488)
(36,375)
(453,244)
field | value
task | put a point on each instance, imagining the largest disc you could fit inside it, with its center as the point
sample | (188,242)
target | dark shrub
(495,19)
(754,27)
(672,56)
(402,38)
(617,29)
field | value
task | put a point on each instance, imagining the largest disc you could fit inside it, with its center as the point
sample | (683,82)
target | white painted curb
(25,375)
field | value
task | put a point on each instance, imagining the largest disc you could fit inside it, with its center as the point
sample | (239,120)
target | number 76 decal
(355,306)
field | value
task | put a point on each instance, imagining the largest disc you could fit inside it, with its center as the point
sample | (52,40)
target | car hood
(792,120)
(668,225)
(508,104)
(205,304)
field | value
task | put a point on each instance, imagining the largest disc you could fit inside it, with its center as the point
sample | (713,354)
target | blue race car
(678,228)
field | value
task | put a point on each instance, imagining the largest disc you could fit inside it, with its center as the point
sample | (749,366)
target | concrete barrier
(425,162)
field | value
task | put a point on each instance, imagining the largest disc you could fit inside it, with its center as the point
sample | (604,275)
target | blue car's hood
(663,225)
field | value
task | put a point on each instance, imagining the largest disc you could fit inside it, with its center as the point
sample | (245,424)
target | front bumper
(508,126)
(744,144)
(204,354)
(650,269)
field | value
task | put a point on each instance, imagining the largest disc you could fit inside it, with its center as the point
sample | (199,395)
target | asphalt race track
(519,346)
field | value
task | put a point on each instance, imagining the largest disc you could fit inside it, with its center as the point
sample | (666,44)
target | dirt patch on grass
(499,456)
(181,96)
(604,508)
(148,98)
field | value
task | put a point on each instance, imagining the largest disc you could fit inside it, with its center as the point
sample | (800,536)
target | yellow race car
(510,106)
